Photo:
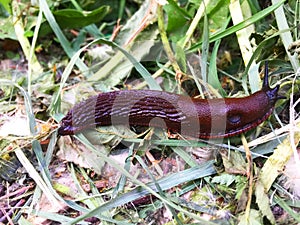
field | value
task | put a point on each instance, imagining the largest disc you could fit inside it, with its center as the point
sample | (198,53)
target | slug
(200,118)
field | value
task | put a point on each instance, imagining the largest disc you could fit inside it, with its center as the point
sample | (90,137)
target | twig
(249,175)
(165,41)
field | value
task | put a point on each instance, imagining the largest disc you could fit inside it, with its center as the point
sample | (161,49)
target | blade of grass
(23,40)
(186,156)
(286,37)
(55,104)
(204,51)
(37,148)
(165,41)
(147,189)
(194,24)
(297,19)
(23,221)
(165,183)
(121,9)
(239,26)
(46,176)
(36,177)
(179,10)
(213,78)
(277,161)
(44,184)
(51,148)
(92,29)
(28,105)
(32,57)
(238,13)
(286,208)
(122,181)
(138,66)
(195,143)
(64,219)
(61,37)
(95,199)
(159,189)
(258,50)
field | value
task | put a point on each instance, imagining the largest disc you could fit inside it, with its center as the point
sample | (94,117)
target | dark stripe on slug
(202,118)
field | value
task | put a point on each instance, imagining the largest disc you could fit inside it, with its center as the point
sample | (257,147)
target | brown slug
(201,118)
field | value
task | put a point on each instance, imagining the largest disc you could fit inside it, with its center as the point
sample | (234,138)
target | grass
(116,175)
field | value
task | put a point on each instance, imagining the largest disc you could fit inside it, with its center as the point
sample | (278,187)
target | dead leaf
(80,155)
(263,202)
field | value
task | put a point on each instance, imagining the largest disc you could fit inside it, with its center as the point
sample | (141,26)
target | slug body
(201,118)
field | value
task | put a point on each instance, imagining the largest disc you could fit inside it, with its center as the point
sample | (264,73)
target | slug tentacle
(266,77)
(201,118)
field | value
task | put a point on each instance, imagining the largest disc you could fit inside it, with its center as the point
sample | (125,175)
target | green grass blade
(239,26)
(28,105)
(138,66)
(191,174)
(61,37)
(286,37)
